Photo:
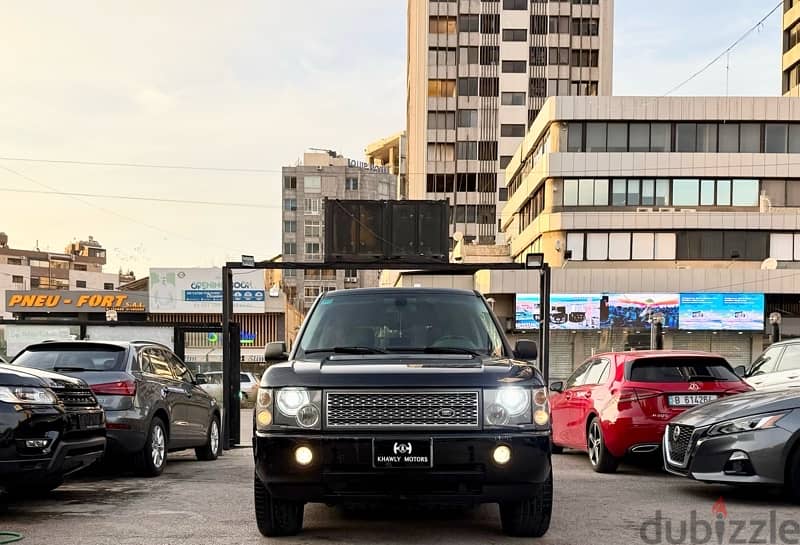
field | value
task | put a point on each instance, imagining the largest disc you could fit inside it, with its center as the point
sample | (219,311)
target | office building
(305,186)
(791,50)
(478,74)
(390,152)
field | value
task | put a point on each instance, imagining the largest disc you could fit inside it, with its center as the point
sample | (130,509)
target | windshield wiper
(437,350)
(346,350)
(59,369)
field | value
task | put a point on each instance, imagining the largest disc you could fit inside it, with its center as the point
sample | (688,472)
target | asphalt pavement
(212,503)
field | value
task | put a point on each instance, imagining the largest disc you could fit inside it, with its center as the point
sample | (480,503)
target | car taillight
(629,395)
(119,388)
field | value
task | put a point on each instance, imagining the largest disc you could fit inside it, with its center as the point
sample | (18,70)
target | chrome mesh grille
(679,443)
(82,397)
(392,409)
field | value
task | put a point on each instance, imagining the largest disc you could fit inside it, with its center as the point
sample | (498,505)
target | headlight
(27,396)
(289,408)
(749,423)
(512,406)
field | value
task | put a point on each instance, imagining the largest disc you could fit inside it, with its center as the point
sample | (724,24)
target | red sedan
(619,403)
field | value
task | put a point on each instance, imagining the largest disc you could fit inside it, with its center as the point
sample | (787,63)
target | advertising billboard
(722,311)
(200,291)
(75,301)
(567,311)
(632,310)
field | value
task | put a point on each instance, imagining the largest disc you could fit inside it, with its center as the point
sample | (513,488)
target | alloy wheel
(214,436)
(594,443)
(158,446)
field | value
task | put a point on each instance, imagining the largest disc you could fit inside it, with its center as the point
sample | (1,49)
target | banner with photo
(722,311)
(567,311)
(633,310)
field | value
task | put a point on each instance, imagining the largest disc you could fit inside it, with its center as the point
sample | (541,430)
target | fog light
(264,418)
(303,456)
(541,417)
(739,464)
(37,443)
(501,454)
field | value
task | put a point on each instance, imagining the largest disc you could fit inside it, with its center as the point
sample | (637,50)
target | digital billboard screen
(722,311)
(567,311)
(633,310)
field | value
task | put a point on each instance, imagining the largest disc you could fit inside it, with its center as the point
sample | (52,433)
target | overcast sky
(251,85)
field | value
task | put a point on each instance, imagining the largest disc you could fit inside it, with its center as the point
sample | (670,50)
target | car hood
(741,405)
(14,375)
(402,370)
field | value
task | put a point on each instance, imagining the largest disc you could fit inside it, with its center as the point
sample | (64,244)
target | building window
(489,87)
(468,23)
(441,120)
(36,282)
(79,267)
(512,99)
(442,56)
(502,195)
(776,137)
(108,286)
(558,25)
(575,245)
(290,205)
(468,87)
(290,248)
(538,87)
(660,137)
(312,184)
(14,261)
(487,150)
(82,284)
(442,25)
(514,67)
(311,228)
(512,130)
(489,55)
(538,56)
(595,137)
(586,27)
(515,4)
(466,150)
(289,226)
(490,23)
(585,192)
(538,24)
(596,246)
(312,206)
(467,118)
(290,182)
(442,88)
(312,250)
(617,137)
(18,279)
(515,35)
(619,246)
(351,184)
(441,152)
(505,160)
(468,55)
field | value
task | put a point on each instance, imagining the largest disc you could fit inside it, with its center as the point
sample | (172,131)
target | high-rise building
(391,153)
(791,50)
(322,175)
(479,71)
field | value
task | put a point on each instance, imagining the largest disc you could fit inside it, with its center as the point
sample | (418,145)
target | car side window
(766,362)
(179,368)
(598,374)
(158,363)
(791,358)
(144,362)
(578,376)
(244,378)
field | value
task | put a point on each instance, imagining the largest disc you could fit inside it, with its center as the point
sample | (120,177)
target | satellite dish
(769,264)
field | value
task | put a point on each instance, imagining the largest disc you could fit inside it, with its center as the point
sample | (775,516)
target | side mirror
(275,351)
(740,371)
(557,386)
(200,378)
(526,350)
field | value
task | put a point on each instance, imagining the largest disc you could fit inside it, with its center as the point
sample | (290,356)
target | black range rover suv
(403,395)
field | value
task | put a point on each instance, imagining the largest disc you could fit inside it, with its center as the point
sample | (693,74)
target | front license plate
(402,453)
(87,421)
(690,400)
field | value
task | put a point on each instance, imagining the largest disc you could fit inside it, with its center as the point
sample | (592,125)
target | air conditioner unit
(668,209)
(641,209)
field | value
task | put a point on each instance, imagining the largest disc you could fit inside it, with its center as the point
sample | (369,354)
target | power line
(726,51)
(137,198)
(141,165)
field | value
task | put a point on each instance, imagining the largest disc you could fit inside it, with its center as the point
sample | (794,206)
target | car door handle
(568,395)
(172,390)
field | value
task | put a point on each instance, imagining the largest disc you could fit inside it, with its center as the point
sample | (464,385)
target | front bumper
(765,450)
(463,471)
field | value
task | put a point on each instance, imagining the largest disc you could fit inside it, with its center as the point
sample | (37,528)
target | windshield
(681,369)
(399,322)
(77,358)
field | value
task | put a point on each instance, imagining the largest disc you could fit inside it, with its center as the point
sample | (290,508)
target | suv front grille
(679,442)
(397,410)
(79,397)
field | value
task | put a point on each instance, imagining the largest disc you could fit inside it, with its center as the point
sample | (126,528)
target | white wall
(94,280)
(6,274)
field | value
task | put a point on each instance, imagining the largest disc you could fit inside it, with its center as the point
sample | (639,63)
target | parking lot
(212,503)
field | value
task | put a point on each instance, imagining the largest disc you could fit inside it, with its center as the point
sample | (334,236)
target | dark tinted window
(63,357)
(681,369)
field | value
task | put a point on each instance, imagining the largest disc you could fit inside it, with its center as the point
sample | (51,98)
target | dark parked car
(752,438)
(403,395)
(50,426)
(153,403)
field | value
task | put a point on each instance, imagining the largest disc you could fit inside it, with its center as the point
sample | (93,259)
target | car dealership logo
(693,386)
(403,449)
(722,528)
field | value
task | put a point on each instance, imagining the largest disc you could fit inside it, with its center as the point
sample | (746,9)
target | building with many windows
(791,49)
(324,175)
(479,71)
(390,152)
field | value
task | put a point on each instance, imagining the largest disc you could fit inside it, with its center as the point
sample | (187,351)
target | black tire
(213,447)
(276,518)
(601,460)
(530,517)
(147,462)
(793,476)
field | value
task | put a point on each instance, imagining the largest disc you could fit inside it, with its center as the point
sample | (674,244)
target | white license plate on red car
(690,400)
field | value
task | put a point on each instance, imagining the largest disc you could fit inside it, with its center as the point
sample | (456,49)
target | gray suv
(153,402)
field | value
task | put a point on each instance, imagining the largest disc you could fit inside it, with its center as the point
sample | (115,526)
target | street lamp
(536,261)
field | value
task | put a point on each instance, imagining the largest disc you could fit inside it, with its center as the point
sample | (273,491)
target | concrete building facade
(324,175)
(478,74)
(791,50)
(390,152)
